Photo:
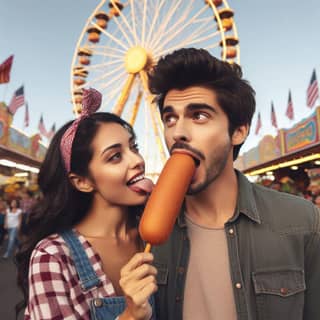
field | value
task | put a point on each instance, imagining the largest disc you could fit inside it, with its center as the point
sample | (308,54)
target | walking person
(238,250)
(83,257)
(12,224)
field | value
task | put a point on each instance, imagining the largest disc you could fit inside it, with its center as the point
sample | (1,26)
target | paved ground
(9,292)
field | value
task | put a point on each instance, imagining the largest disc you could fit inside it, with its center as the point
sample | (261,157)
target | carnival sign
(303,135)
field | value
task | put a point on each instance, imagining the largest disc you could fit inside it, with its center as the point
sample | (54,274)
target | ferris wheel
(122,40)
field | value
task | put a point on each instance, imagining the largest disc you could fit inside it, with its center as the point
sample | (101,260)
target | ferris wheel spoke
(124,95)
(136,108)
(192,41)
(95,49)
(107,74)
(130,43)
(155,17)
(188,42)
(156,133)
(112,80)
(107,54)
(173,27)
(134,27)
(103,64)
(181,29)
(110,36)
(213,46)
(110,94)
(204,20)
(144,21)
(165,23)
(202,29)
(125,21)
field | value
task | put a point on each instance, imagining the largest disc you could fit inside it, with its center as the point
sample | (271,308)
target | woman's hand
(138,282)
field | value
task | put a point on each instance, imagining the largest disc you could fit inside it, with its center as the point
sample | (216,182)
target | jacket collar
(246,199)
(246,203)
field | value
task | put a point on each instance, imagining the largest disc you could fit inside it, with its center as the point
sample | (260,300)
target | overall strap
(86,273)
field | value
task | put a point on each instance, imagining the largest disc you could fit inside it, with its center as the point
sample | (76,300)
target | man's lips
(190,153)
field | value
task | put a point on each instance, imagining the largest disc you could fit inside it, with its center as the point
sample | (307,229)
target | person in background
(83,257)
(26,202)
(239,251)
(12,223)
(317,201)
(2,221)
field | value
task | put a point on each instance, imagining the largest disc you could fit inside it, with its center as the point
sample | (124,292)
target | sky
(279,43)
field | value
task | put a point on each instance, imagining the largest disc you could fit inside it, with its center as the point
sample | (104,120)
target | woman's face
(13,203)
(115,163)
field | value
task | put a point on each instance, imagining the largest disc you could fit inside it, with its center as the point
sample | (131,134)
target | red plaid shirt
(54,287)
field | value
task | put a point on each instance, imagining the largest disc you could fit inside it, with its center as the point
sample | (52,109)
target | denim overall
(100,308)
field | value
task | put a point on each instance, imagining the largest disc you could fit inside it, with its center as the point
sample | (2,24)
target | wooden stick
(147,248)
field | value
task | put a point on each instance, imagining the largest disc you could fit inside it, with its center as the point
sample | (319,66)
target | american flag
(26,116)
(51,132)
(313,90)
(17,101)
(273,117)
(289,112)
(5,69)
(259,124)
(41,127)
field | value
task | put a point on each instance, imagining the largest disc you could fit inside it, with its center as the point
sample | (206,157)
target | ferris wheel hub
(136,59)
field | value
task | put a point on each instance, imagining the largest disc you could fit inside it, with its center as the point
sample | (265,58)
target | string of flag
(18,100)
(311,100)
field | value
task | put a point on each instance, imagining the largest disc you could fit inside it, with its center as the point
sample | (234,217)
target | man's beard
(213,171)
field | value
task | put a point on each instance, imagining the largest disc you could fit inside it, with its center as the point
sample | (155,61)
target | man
(238,250)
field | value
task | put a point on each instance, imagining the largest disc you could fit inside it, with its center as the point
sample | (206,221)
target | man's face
(193,120)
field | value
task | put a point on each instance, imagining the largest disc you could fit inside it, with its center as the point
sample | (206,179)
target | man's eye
(200,116)
(169,119)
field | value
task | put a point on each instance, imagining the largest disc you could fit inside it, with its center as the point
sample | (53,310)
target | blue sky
(279,43)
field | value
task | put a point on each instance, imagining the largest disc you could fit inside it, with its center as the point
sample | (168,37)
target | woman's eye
(135,147)
(116,156)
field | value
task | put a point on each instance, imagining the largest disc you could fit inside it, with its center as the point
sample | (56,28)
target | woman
(87,264)
(12,223)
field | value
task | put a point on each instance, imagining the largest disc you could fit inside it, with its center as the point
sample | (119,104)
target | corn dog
(166,199)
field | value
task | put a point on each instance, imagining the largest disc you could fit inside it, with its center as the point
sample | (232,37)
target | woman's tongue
(144,185)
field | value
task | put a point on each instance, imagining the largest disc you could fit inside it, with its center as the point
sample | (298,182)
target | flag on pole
(52,132)
(17,100)
(5,69)
(26,116)
(273,116)
(259,124)
(41,127)
(289,112)
(313,90)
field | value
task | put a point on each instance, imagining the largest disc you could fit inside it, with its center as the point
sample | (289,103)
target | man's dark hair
(197,67)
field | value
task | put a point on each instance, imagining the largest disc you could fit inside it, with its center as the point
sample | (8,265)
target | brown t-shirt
(208,292)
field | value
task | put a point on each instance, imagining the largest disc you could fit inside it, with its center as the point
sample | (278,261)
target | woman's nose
(137,161)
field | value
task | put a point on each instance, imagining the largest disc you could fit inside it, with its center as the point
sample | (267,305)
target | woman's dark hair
(17,203)
(196,67)
(62,206)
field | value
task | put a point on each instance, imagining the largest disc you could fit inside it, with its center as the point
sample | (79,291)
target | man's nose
(181,132)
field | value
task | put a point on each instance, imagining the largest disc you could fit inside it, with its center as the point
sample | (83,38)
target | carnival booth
(20,155)
(290,161)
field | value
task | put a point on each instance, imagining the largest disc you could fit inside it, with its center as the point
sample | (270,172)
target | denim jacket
(274,252)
